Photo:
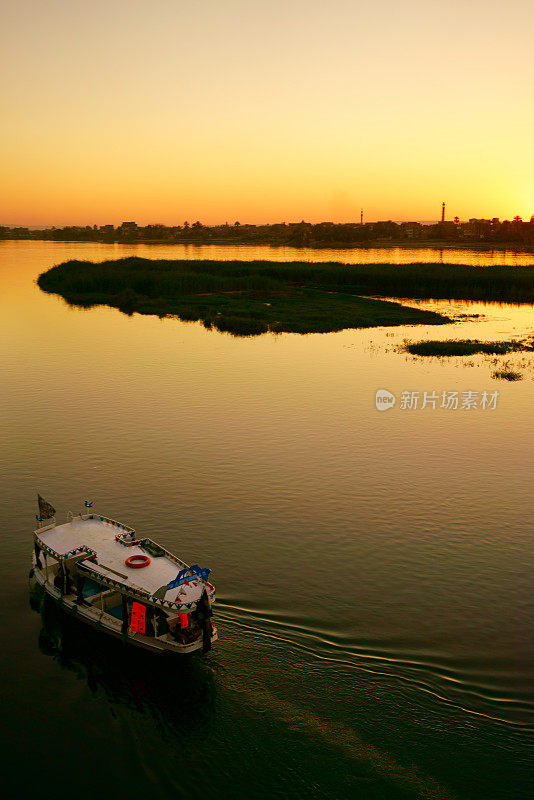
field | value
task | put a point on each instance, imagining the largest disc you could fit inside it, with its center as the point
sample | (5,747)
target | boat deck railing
(82,549)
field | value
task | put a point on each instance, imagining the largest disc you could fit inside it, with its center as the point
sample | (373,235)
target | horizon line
(257,224)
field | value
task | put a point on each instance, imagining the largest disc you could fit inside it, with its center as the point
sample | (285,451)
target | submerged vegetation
(467,347)
(507,375)
(471,347)
(240,297)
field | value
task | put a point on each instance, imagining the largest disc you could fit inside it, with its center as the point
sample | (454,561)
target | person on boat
(80,580)
(63,580)
(161,623)
(172,623)
(37,550)
(69,583)
(58,581)
(204,614)
(149,625)
(183,629)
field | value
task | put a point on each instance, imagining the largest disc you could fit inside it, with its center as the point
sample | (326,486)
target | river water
(373,569)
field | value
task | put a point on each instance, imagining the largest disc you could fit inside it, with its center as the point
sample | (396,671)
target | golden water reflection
(269,455)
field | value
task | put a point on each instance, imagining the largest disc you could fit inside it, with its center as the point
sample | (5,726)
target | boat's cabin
(89,562)
(148,620)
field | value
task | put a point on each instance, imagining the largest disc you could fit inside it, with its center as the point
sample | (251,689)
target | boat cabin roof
(112,544)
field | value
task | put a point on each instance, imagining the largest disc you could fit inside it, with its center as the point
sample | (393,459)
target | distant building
(411,230)
(128,227)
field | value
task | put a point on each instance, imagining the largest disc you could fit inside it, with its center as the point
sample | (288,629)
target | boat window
(91,587)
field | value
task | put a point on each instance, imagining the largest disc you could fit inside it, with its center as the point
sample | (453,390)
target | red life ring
(137,561)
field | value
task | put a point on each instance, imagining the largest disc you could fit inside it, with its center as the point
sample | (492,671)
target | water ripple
(448,683)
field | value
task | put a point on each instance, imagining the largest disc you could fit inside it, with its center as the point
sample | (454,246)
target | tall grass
(168,279)
(466,347)
(250,297)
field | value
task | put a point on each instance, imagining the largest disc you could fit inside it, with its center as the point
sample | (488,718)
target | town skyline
(491,232)
(178,220)
(361,219)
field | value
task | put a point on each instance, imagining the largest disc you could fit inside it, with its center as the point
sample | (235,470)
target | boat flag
(46,511)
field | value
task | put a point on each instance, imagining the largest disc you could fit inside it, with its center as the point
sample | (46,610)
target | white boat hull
(107,624)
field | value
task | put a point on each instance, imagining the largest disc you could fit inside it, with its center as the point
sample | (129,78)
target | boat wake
(166,693)
(474,687)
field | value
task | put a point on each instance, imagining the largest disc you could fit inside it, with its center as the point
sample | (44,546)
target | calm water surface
(374,570)
(352,255)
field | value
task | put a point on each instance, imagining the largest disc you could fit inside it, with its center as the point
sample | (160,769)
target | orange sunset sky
(265,111)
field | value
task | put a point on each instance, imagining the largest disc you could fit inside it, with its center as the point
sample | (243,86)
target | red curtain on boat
(137,619)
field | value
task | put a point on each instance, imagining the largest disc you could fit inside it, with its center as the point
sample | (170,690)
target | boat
(127,587)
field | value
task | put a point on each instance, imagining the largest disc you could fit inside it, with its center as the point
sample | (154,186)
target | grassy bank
(172,278)
(467,347)
(241,297)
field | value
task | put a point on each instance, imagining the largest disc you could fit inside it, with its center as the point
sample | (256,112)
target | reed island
(252,297)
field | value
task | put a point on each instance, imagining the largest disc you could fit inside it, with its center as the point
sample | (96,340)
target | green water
(374,570)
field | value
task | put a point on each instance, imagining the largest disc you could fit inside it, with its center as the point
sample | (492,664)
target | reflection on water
(53,252)
(170,690)
(374,569)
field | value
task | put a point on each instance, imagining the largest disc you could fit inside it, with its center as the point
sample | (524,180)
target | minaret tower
(443,212)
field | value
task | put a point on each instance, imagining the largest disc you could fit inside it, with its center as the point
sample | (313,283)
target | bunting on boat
(46,510)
